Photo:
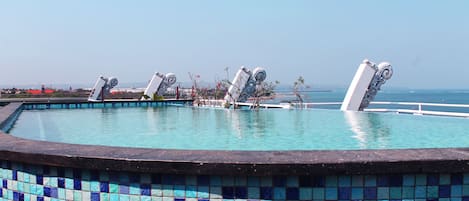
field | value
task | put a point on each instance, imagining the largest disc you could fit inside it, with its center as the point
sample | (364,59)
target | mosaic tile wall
(31,182)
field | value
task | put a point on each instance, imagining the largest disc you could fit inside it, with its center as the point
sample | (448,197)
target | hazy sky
(72,42)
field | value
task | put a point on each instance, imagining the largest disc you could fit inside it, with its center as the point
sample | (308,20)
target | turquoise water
(172,127)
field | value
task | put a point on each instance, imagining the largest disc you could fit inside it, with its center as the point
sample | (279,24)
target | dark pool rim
(206,162)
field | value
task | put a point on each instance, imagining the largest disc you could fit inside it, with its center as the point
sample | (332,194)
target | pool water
(171,127)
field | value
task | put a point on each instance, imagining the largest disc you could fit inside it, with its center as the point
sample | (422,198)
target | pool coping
(256,163)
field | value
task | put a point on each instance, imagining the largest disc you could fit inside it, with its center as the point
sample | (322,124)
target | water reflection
(370,131)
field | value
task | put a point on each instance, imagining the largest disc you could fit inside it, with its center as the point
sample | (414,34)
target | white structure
(102,87)
(158,85)
(365,84)
(244,84)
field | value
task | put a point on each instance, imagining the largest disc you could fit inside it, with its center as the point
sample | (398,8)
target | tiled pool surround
(36,170)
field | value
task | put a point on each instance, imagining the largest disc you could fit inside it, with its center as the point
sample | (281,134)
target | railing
(418,111)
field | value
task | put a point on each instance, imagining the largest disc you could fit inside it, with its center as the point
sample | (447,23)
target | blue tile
(465,198)
(408,180)
(331,193)
(382,181)
(420,192)
(319,181)
(241,192)
(15,175)
(228,192)
(47,191)
(40,198)
(345,193)
(1,193)
(279,181)
(104,187)
(395,180)
(77,174)
(179,199)
(266,193)
(145,189)
(203,180)
(293,193)
(156,179)
(61,182)
(456,190)
(279,193)
(77,184)
(60,172)
(456,179)
(305,181)
(54,193)
(433,179)
(203,199)
(94,175)
(345,181)
(124,189)
(134,178)
(16,196)
(94,196)
(5,183)
(370,193)
(39,179)
(444,191)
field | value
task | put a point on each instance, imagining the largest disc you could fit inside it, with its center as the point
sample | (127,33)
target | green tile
(156,190)
(215,192)
(241,181)
(432,191)
(103,176)
(318,194)
(61,193)
(370,181)
(357,181)
(465,190)
(104,196)
(266,181)
(331,181)
(85,185)
(114,197)
(383,193)
(77,195)
(292,181)
(395,193)
(203,192)
(306,193)
(123,197)
(228,181)
(134,189)
(191,180)
(113,188)
(408,192)
(357,193)
(134,198)
(253,193)
(421,180)
(94,186)
(445,179)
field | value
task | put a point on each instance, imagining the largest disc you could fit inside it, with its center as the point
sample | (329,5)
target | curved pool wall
(38,170)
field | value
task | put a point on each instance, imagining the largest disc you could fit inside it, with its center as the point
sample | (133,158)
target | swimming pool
(43,170)
(172,127)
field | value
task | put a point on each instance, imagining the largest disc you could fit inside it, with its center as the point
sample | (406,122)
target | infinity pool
(171,127)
